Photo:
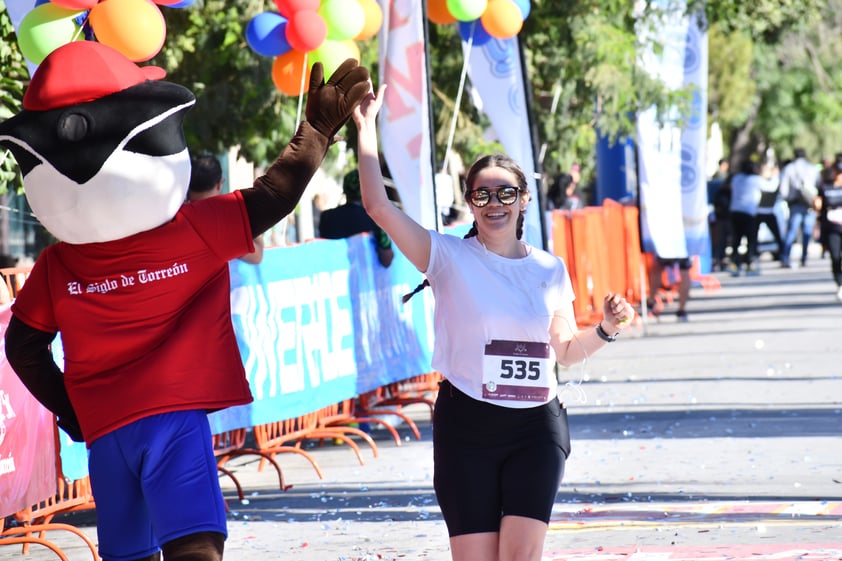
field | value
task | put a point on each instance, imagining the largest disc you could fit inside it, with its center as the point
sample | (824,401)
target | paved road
(713,439)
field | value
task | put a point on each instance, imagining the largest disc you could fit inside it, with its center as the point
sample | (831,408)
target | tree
(14,77)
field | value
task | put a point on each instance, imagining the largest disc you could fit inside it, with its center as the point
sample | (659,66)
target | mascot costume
(138,285)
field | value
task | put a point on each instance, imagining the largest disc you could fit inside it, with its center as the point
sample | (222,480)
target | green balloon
(466,10)
(344,18)
(332,54)
(46,28)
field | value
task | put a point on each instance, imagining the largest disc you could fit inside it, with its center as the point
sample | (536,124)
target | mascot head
(100,144)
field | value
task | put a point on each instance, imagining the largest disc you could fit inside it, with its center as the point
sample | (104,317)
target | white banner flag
(404,119)
(671,161)
(496,74)
(659,150)
(694,141)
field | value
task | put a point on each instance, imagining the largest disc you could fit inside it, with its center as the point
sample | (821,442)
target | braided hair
(484,162)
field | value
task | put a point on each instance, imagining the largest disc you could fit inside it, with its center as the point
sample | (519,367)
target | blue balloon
(182,4)
(266,34)
(481,36)
(524,6)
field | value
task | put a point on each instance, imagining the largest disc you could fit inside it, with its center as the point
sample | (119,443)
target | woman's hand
(617,313)
(366,112)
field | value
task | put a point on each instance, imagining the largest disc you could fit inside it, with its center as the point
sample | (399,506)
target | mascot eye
(72,127)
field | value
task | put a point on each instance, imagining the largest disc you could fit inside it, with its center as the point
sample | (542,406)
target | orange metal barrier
(37,519)
(230,444)
(13,279)
(601,248)
(9,536)
(275,438)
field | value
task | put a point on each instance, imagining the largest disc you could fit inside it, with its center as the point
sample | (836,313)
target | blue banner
(322,322)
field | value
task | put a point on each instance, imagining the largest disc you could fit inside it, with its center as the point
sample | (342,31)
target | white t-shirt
(492,319)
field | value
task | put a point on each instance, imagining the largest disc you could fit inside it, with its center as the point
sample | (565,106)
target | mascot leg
(202,546)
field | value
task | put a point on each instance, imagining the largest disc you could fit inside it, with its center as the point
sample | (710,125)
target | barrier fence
(327,345)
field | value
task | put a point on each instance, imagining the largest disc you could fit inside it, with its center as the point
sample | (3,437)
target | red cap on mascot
(66,78)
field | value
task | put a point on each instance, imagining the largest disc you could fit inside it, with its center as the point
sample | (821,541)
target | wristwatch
(605,336)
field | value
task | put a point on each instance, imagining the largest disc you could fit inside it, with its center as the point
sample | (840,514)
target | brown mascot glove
(329,105)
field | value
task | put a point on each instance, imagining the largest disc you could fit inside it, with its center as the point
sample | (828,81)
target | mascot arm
(28,353)
(329,106)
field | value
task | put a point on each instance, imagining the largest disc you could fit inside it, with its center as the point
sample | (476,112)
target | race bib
(516,371)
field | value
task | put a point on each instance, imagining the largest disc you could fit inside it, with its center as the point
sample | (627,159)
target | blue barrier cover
(321,322)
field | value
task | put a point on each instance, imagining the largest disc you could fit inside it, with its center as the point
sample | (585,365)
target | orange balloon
(502,19)
(438,13)
(373,19)
(136,28)
(287,70)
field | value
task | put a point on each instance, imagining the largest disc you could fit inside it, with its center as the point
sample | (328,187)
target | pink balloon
(75,4)
(289,7)
(306,31)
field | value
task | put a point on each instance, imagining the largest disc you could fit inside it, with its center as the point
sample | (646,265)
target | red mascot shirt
(145,320)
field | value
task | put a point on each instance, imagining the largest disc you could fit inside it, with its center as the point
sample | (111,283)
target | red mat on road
(741,552)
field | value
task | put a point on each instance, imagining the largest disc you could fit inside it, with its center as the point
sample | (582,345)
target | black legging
(743,226)
(771,222)
(492,461)
(833,239)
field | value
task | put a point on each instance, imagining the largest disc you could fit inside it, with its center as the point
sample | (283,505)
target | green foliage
(763,20)
(772,75)
(13,80)
(731,86)
(798,100)
(237,103)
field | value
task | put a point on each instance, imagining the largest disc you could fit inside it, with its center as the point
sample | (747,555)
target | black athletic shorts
(492,461)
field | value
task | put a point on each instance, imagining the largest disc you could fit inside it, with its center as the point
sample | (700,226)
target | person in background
(565,193)
(351,219)
(656,283)
(769,199)
(206,182)
(503,317)
(746,187)
(719,219)
(799,188)
(830,221)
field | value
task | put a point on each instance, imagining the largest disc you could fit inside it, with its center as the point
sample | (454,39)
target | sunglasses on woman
(506,194)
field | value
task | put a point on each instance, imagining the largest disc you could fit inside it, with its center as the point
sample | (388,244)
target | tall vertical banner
(496,74)
(694,142)
(404,118)
(671,161)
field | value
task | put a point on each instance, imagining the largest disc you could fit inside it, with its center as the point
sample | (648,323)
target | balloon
(437,12)
(333,53)
(168,3)
(266,34)
(287,70)
(502,19)
(373,19)
(182,4)
(344,18)
(524,6)
(46,28)
(289,7)
(76,4)
(136,28)
(481,36)
(306,30)
(466,10)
